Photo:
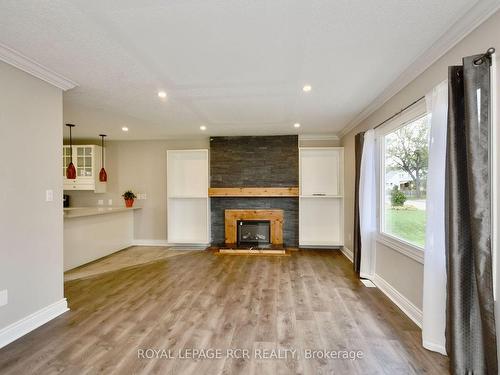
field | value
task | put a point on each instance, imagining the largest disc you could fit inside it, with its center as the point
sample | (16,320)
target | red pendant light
(70,170)
(103,176)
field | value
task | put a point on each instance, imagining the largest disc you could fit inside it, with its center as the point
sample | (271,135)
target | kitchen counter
(73,212)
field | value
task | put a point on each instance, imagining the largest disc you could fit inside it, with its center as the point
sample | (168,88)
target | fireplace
(259,228)
(253,232)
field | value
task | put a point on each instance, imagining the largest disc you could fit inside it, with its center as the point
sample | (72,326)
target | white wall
(405,274)
(31,230)
(142,167)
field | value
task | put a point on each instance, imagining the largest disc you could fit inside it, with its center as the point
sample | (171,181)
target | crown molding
(318,137)
(18,60)
(479,13)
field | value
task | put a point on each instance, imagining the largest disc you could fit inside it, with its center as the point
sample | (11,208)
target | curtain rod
(401,111)
(478,61)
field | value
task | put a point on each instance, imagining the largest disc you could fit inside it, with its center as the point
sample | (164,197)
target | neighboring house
(401,179)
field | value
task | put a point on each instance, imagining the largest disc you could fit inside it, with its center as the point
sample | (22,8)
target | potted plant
(129,197)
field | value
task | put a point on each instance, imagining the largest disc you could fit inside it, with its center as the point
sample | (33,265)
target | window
(405,152)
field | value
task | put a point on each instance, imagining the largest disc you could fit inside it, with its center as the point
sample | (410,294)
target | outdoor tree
(407,150)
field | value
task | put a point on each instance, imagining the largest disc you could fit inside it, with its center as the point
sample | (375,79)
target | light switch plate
(49,195)
(100,202)
(4,297)
(110,202)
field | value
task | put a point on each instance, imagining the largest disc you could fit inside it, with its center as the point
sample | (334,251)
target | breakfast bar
(91,233)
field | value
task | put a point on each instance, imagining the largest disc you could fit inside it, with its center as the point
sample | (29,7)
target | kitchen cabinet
(87,161)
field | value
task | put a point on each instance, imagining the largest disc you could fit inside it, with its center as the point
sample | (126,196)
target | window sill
(403,247)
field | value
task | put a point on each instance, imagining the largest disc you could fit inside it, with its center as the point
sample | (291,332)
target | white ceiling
(235,66)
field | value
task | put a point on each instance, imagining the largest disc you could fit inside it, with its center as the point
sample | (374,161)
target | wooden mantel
(292,191)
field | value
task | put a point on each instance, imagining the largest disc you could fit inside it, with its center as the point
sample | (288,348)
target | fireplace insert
(254,233)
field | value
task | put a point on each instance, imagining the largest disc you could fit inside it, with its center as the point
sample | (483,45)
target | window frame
(407,248)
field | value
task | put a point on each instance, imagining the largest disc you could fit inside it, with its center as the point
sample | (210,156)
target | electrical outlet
(4,297)
(49,195)
(100,202)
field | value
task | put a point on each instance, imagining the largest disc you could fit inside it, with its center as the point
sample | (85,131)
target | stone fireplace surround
(241,167)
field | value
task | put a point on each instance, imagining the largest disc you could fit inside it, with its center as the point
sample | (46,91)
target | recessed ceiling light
(203,127)
(307,88)
(162,94)
(125,129)
(296,125)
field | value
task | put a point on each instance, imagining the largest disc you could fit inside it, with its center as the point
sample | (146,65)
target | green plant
(398,198)
(129,195)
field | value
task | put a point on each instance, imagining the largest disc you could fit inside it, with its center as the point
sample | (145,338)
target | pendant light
(103,176)
(70,170)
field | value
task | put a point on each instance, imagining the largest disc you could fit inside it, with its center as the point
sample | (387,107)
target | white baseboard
(20,328)
(410,310)
(347,253)
(144,242)
(185,246)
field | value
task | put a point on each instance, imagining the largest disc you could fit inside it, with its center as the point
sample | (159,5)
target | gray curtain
(356,251)
(470,326)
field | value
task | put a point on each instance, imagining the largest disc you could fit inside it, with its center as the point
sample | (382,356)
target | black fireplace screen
(254,232)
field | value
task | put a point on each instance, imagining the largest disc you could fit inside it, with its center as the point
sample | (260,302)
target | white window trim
(406,248)
(411,114)
(495,177)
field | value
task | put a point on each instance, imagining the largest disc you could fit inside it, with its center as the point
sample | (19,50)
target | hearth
(253,232)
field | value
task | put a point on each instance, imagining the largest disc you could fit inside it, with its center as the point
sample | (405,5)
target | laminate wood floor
(308,301)
(129,257)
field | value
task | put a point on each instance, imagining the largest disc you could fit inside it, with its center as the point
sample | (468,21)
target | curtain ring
(488,55)
(479,61)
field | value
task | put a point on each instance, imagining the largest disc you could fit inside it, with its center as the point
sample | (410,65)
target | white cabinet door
(321,171)
(84,161)
(66,159)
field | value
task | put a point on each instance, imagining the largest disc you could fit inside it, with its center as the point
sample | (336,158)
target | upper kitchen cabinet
(87,161)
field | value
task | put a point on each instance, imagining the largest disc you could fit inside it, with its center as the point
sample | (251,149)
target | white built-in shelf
(188,204)
(321,201)
(187,197)
(322,196)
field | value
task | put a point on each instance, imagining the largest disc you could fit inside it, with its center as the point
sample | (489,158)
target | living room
(279,187)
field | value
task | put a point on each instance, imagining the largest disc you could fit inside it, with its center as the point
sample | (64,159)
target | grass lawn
(408,225)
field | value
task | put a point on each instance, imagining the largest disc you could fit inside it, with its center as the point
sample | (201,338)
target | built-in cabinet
(188,204)
(321,196)
(87,161)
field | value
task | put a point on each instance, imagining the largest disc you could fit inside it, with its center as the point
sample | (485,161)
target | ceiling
(234,66)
